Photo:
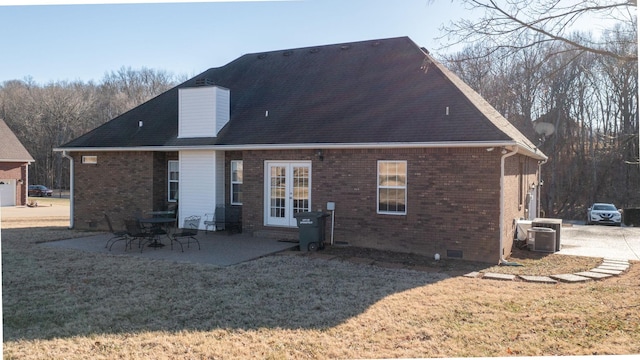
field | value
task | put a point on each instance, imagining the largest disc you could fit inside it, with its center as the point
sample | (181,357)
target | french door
(287,191)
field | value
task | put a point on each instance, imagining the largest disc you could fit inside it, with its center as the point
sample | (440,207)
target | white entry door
(287,191)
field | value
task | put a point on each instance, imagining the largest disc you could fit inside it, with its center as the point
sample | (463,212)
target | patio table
(161,213)
(158,223)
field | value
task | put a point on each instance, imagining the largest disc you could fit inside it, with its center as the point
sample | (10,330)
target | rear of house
(413,159)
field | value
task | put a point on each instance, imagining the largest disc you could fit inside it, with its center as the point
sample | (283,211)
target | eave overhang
(17,160)
(511,145)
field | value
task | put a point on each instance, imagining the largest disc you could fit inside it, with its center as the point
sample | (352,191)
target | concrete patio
(217,248)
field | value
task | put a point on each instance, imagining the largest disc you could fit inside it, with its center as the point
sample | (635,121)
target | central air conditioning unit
(555,224)
(541,239)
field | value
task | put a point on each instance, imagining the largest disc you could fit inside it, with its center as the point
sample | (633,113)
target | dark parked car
(39,190)
(600,213)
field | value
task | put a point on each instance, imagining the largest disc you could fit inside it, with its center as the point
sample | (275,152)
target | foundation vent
(454,254)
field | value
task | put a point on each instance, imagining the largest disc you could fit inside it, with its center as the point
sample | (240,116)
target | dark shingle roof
(370,92)
(11,149)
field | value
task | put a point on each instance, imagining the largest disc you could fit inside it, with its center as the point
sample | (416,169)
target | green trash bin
(312,229)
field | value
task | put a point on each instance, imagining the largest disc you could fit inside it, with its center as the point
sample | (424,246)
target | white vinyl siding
(223,99)
(202,111)
(201,184)
(220,179)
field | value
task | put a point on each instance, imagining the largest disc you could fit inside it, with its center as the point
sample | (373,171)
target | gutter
(522,148)
(71,186)
(540,163)
(502,158)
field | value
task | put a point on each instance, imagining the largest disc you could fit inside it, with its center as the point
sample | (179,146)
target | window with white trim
(392,187)
(236,182)
(174,177)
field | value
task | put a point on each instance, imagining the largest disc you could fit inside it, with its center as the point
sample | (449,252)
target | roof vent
(288,53)
(345,47)
(204,82)
(375,43)
(262,56)
(314,50)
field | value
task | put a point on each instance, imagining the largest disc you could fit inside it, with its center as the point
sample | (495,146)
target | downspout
(25,188)
(502,211)
(540,163)
(71,198)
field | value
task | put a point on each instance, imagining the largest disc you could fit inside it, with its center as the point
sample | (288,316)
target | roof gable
(369,92)
(11,149)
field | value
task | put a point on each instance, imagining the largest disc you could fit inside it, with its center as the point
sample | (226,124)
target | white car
(600,213)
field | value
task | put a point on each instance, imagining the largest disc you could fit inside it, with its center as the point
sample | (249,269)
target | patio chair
(136,231)
(187,233)
(209,222)
(228,218)
(116,235)
(173,207)
(232,219)
(220,218)
(172,211)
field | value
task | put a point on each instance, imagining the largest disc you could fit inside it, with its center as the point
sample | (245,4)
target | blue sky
(83,42)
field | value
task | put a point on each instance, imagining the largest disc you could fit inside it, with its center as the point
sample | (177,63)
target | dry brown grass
(532,263)
(74,305)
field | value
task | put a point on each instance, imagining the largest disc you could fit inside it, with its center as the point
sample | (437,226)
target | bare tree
(47,116)
(516,24)
(126,88)
(592,102)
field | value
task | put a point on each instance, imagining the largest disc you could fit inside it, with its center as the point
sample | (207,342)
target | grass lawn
(68,304)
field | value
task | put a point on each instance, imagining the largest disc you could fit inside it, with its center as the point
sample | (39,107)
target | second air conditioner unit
(541,239)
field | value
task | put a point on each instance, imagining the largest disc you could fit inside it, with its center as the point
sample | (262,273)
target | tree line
(589,97)
(46,116)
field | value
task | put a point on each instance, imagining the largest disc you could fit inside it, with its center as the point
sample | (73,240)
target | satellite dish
(544,129)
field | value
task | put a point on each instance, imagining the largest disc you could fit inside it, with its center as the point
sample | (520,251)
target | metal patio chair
(116,235)
(136,231)
(209,222)
(187,233)
(228,218)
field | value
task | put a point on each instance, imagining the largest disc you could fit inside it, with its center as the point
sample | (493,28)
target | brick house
(14,168)
(414,159)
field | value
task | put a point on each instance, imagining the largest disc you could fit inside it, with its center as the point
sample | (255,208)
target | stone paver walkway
(608,268)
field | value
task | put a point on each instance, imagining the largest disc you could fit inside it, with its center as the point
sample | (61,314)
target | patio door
(287,191)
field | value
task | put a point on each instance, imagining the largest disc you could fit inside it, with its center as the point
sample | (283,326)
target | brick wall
(453,195)
(161,178)
(23,189)
(120,184)
(520,173)
(453,198)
